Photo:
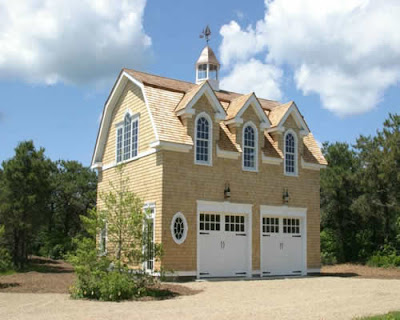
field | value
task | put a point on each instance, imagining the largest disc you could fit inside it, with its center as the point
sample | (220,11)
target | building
(232,180)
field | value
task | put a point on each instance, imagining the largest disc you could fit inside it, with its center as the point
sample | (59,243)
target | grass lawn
(389,316)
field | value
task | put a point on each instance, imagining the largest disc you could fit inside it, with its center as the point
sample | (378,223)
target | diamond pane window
(249,148)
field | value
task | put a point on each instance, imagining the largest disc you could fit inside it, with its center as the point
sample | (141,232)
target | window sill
(208,164)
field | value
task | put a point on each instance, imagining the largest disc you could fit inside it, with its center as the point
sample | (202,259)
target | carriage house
(232,180)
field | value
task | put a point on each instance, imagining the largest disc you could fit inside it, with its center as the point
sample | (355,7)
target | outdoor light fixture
(227,191)
(285,196)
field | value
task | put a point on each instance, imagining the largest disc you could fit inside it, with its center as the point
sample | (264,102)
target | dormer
(207,68)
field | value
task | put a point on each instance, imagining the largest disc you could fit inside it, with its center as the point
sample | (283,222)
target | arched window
(127,138)
(290,153)
(249,148)
(203,139)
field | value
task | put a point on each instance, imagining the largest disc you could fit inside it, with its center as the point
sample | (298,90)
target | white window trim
(150,205)
(210,139)
(185,226)
(255,169)
(134,117)
(296,154)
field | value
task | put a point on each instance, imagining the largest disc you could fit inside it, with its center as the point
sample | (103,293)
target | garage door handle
(298,236)
(266,235)
(241,234)
(204,233)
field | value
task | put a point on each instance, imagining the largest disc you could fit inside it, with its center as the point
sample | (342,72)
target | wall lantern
(227,191)
(285,196)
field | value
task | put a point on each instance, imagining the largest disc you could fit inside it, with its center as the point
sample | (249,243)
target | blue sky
(62,114)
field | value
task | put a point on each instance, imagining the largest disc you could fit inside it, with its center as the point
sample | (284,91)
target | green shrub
(329,248)
(105,286)
(5,260)
(387,257)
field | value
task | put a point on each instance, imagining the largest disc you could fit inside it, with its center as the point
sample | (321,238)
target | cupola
(207,66)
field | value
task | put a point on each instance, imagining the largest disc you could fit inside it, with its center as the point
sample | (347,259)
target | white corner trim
(271,160)
(227,154)
(314,270)
(171,146)
(312,166)
(139,156)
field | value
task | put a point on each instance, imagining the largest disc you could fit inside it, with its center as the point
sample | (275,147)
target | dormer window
(203,139)
(290,153)
(250,148)
(127,138)
(202,72)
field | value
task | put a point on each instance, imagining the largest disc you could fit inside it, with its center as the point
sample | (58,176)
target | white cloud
(246,77)
(70,41)
(346,51)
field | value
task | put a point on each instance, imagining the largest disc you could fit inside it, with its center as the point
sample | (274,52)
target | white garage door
(281,246)
(223,245)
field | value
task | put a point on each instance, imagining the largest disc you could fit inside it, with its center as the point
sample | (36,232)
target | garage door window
(234,223)
(270,225)
(291,225)
(210,222)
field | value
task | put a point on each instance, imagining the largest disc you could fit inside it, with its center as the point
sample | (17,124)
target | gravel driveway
(301,298)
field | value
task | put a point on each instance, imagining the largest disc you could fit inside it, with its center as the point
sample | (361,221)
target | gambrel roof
(166,99)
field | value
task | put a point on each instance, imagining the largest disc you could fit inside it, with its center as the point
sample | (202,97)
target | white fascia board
(297,118)
(252,101)
(108,110)
(208,91)
(227,154)
(312,166)
(271,160)
(171,146)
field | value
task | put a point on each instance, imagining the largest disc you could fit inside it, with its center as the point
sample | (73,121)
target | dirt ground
(300,298)
(352,270)
(341,292)
(56,276)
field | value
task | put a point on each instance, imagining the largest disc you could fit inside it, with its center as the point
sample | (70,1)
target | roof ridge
(156,75)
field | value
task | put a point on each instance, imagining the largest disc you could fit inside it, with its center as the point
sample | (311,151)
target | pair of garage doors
(225,245)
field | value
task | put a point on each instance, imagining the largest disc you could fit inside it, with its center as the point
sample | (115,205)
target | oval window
(179,228)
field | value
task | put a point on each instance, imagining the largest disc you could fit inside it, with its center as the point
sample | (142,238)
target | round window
(179,228)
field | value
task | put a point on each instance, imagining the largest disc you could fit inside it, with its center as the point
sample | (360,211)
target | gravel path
(301,298)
